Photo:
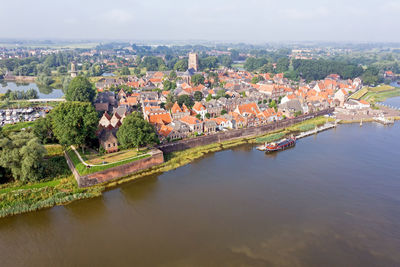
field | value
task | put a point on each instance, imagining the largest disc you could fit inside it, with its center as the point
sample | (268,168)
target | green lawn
(83,170)
(360,93)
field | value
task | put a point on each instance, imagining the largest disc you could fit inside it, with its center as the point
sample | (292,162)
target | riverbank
(19,199)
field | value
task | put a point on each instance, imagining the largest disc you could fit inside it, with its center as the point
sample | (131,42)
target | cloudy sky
(216,20)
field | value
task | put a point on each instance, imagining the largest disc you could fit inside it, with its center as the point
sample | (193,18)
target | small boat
(277,146)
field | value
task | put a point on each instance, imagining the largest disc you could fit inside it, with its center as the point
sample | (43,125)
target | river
(333,200)
(43,92)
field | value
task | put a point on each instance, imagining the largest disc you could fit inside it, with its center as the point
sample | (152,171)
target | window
(109,145)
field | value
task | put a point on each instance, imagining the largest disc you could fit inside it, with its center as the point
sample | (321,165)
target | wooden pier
(317,130)
(384,120)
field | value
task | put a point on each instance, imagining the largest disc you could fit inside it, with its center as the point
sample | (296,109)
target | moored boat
(277,146)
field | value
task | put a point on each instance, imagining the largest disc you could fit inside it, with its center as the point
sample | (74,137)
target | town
(191,108)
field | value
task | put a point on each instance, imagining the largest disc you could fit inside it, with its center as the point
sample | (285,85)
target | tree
(223,112)
(208,115)
(209,97)
(74,123)
(181,65)
(225,60)
(137,72)
(185,99)
(80,89)
(198,96)
(197,79)
(256,79)
(136,132)
(221,93)
(173,75)
(198,116)
(44,80)
(252,63)
(282,65)
(272,104)
(125,71)
(370,76)
(168,85)
(170,101)
(43,130)
(208,63)
(22,154)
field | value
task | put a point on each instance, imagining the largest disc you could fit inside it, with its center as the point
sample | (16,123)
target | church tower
(193,61)
(73,71)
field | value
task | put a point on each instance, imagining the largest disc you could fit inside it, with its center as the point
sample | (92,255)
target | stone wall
(116,172)
(236,134)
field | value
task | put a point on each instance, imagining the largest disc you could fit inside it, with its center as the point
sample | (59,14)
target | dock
(384,120)
(317,130)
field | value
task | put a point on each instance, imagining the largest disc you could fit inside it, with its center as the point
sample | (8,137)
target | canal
(333,200)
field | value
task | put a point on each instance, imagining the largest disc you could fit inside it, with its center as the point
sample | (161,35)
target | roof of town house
(176,108)
(362,101)
(121,92)
(269,112)
(185,108)
(199,87)
(121,111)
(209,123)
(107,135)
(236,116)
(165,130)
(198,106)
(106,115)
(163,118)
(148,109)
(266,88)
(190,120)
(219,120)
(134,84)
(185,85)
(251,108)
(311,92)
(130,100)
(101,106)
(165,93)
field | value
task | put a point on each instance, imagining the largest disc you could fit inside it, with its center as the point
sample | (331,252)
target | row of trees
(21,95)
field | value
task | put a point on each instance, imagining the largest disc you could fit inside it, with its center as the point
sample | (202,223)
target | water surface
(333,200)
(43,92)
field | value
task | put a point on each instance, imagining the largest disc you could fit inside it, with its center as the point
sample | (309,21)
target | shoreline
(173,161)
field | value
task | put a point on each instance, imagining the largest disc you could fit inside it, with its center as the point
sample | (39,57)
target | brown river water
(333,200)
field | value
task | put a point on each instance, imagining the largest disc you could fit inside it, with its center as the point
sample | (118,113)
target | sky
(214,20)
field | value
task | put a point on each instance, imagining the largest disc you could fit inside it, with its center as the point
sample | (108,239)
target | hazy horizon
(253,21)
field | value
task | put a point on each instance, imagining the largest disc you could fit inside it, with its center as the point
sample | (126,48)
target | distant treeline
(319,69)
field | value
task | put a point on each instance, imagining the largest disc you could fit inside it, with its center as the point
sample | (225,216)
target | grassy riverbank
(57,187)
(60,187)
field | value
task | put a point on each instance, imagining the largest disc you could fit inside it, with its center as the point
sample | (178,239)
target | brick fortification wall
(236,134)
(116,172)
